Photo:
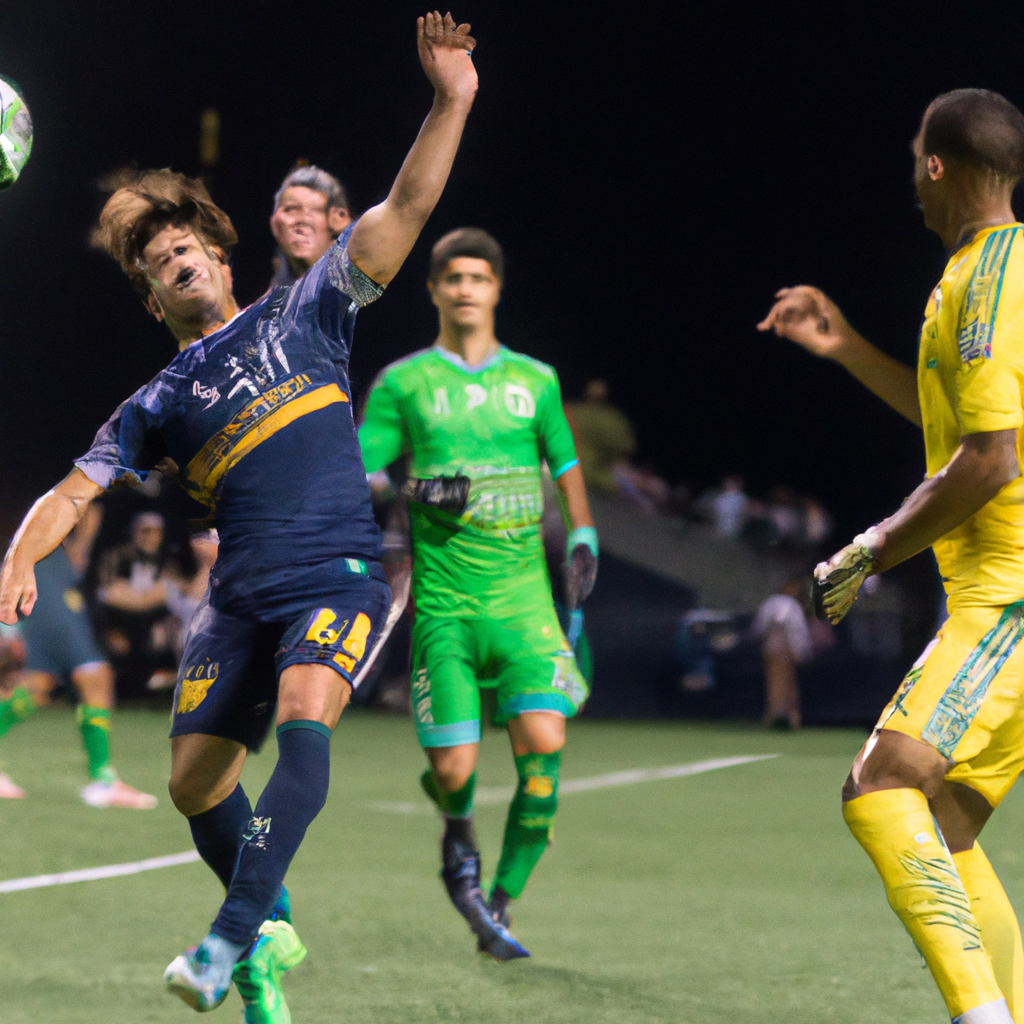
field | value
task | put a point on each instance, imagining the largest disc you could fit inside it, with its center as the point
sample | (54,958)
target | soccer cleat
(117,794)
(8,790)
(462,880)
(258,977)
(494,938)
(194,980)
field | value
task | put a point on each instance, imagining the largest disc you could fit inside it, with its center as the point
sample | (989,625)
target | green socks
(15,709)
(453,805)
(530,818)
(94,725)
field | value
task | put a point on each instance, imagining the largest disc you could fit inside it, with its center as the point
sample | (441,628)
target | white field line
(502,794)
(91,874)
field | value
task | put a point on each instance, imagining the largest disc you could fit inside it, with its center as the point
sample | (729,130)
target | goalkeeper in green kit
(478,420)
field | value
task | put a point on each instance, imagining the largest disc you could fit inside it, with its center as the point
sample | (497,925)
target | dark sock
(293,798)
(217,833)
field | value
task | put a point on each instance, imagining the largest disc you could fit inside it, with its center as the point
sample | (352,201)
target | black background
(653,175)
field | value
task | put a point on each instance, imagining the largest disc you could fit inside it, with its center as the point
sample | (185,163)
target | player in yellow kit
(951,742)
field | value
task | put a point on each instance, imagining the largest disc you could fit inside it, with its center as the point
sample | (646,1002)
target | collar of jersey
(982,233)
(460,364)
(213,334)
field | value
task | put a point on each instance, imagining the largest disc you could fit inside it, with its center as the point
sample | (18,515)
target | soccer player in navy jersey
(254,414)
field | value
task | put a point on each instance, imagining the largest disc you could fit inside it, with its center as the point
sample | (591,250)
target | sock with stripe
(530,817)
(94,725)
(15,709)
(293,797)
(896,829)
(1000,933)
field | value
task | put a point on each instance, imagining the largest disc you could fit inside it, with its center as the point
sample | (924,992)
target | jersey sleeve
(382,435)
(990,339)
(556,443)
(338,286)
(126,447)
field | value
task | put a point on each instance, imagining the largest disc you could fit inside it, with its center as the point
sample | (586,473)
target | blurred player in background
(311,209)
(255,415)
(470,408)
(951,743)
(59,644)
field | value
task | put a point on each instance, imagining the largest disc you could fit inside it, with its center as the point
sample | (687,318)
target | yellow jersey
(970,379)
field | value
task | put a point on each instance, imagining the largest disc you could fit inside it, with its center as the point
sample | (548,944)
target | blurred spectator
(604,437)
(781,626)
(136,583)
(605,440)
(729,507)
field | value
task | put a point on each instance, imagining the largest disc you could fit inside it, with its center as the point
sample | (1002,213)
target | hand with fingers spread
(445,53)
(809,317)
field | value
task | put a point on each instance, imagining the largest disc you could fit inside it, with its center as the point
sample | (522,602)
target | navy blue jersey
(257,416)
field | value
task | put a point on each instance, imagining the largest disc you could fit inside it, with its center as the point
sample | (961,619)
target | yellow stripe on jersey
(261,418)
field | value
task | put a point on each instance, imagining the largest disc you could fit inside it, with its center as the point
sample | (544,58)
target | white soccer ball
(15,133)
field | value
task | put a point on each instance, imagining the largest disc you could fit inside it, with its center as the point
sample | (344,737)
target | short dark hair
(473,242)
(979,127)
(143,204)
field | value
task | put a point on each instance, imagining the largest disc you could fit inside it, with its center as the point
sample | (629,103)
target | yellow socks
(999,929)
(898,832)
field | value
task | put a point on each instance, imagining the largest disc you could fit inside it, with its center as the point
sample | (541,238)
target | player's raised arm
(809,317)
(386,233)
(48,522)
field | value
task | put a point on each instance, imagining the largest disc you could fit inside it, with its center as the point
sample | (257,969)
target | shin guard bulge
(897,831)
(293,797)
(530,818)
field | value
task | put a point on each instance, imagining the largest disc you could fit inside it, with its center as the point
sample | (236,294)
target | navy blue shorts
(228,678)
(58,635)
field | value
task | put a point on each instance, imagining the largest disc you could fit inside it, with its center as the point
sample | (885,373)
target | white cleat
(8,790)
(117,794)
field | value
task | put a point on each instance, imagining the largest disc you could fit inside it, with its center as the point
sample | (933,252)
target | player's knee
(191,794)
(452,777)
(850,789)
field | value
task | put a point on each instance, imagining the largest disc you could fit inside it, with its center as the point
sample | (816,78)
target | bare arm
(571,485)
(980,468)
(810,318)
(386,233)
(48,522)
(121,594)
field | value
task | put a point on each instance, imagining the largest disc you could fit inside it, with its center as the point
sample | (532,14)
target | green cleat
(258,977)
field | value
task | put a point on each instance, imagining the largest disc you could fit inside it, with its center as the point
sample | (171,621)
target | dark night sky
(654,179)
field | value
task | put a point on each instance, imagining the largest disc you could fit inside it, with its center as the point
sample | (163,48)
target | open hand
(444,49)
(809,317)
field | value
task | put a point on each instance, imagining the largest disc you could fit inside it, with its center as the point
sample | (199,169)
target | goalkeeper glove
(837,581)
(448,493)
(580,565)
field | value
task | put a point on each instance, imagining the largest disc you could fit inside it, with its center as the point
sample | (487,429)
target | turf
(733,896)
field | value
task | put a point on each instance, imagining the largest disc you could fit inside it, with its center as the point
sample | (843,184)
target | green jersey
(493,423)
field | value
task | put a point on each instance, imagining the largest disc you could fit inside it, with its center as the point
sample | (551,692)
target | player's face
(466,292)
(189,283)
(304,227)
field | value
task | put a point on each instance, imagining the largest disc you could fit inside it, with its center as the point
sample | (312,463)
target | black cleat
(461,877)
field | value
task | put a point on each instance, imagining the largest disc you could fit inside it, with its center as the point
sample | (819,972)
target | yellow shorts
(965,697)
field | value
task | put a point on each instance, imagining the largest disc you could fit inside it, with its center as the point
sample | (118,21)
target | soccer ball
(15,133)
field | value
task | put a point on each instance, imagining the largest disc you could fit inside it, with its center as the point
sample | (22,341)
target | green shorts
(527,659)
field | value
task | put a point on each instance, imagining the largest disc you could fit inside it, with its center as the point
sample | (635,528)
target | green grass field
(732,896)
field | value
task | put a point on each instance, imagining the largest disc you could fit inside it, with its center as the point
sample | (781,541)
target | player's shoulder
(521,361)
(988,257)
(406,368)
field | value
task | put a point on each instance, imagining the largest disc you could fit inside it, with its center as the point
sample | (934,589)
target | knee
(850,789)
(185,795)
(451,777)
